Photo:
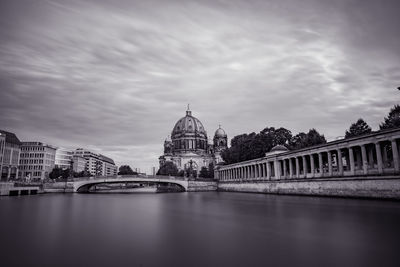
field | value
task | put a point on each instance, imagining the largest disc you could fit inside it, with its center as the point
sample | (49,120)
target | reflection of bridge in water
(84,186)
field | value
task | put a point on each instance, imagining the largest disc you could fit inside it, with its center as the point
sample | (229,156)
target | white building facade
(37,160)
(10,150)
(97,164)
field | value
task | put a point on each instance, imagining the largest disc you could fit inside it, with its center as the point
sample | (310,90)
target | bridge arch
(84,186)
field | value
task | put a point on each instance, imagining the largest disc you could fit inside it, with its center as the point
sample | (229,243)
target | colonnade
(374,154)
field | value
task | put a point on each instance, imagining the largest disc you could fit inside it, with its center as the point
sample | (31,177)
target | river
(197,229)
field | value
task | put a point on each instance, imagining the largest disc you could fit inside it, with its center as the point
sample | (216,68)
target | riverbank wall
(10,189)
(382,187)
(202,186)
(58,187)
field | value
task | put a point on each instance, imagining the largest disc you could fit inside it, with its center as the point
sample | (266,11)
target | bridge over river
(82,186)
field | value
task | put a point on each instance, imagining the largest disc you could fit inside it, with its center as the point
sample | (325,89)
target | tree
(211,170)
(360,127)
(168,168)
(252,146)
(126,170)
(82,174)
(59,173)
(203,172)
(302,140)
(393,119)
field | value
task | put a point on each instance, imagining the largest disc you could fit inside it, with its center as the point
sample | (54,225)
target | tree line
(169,168)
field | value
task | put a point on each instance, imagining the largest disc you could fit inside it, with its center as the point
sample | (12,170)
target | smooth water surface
(197,229)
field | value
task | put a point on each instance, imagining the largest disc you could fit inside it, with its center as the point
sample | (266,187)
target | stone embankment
(201,186)
(383,187)
(13,189)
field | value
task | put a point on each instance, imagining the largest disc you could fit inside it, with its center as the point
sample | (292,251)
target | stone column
(290,168)
(358,160)
(340,162)
(364,159)
(371,158)
(312,165)
(379,157)
(395,152)
(257,166)
(268,170)
(320,163)
(284,169)
(277,171)
(330,172)
(297,167)
(9,172)
(264,170)
(305,169)
(352,166)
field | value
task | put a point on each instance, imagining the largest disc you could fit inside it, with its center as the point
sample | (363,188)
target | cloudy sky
(115,75)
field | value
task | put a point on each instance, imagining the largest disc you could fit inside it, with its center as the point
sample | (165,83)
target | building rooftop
(11,137)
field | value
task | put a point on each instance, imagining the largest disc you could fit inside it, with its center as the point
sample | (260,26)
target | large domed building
(188,146)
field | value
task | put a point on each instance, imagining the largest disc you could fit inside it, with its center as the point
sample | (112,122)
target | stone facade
(37,160)
(97,164)
(375,154)
(10,150)
(188,146)
(362,187)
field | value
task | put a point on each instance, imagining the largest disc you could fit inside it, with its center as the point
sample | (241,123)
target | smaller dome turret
(220,132)
(220,139)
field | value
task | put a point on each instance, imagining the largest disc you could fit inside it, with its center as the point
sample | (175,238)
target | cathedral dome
(188,125)
(220,132)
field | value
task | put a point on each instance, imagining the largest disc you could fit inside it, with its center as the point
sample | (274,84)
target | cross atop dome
(188,112)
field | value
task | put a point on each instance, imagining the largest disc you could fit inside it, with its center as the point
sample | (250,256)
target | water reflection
(197,229)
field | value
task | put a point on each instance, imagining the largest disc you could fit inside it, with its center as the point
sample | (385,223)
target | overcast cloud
(115,76)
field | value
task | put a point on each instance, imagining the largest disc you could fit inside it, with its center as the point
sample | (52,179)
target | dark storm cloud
(114,76)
